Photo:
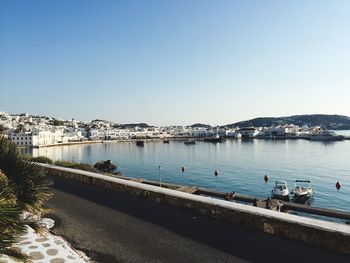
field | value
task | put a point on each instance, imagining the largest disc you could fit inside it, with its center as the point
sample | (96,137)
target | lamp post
(160,178)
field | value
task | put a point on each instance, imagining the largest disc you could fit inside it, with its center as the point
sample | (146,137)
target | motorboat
(215,138)
(166,141)
(190,142)
(280,190)
(302,191)
(140,143)
(325,135)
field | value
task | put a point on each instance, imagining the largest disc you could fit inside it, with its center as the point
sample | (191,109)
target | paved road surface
(115,227)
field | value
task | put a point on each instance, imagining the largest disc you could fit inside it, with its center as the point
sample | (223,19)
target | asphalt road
(115,227)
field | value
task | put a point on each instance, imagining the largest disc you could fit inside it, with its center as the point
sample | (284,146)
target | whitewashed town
(27,130)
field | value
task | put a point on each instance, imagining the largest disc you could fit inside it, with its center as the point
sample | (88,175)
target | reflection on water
(241,164)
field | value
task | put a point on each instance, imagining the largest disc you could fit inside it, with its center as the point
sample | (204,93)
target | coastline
(168,138)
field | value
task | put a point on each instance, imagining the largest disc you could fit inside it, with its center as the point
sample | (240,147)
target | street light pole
(160,179)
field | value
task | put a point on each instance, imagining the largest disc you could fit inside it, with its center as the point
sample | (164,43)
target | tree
(20,128)
(11,222)
(3,129)
(27,179)
(58,123)
(24,186)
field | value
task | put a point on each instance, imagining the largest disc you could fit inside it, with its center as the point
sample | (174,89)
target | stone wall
(330,235)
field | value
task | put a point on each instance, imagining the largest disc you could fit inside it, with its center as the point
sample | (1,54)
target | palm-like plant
(11,221)
(24,186)
(28,180)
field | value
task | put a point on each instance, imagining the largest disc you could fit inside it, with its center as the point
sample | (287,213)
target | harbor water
(241,164)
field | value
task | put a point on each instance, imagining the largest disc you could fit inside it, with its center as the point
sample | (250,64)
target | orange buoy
(266,178)
(338,185)
(183,168)
(216,173)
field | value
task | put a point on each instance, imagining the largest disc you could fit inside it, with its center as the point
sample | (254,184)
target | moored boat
(215,138)
(190,142)
(140,143)
(302,191)
(325,135)
(280,190)
(166,141)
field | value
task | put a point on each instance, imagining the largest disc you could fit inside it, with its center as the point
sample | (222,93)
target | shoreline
(172,139)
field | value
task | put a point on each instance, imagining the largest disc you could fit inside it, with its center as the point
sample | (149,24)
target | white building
(250,132)
(36,138)
(22,139)
(117,134)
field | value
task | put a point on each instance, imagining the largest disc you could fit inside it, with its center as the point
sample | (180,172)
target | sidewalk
(46,248)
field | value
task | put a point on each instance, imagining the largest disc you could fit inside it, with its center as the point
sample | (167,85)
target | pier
(272,204)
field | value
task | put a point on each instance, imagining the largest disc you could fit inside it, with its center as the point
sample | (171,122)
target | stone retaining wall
(330,235)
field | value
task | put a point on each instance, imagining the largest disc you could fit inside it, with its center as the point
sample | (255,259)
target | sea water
(241,164)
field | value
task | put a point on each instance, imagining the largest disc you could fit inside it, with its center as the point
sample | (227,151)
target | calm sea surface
(241,164)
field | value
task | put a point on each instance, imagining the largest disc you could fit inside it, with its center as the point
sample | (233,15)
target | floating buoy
(183,168)
(338,185)
(266,178)
(216,173)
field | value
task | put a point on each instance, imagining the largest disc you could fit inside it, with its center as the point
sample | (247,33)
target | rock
(105,166)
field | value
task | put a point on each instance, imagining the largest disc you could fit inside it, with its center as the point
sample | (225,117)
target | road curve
(115,227)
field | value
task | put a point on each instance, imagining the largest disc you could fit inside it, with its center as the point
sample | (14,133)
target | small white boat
(280,190)
(302,191)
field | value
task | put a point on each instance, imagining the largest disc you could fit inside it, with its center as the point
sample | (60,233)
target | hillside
(332,122)
(200,125)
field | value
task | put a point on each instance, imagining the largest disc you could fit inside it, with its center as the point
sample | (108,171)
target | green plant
(28,180)
(24,186)
(79,166)
(41,159)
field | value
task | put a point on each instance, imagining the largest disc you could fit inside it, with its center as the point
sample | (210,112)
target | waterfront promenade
(116,227)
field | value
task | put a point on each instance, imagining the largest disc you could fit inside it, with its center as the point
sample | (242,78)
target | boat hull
(281,197)
(326,138)
(213,140)
(303,197)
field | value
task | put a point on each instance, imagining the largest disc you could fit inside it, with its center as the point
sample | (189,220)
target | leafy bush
(41,159)
(24,186)
(79,166)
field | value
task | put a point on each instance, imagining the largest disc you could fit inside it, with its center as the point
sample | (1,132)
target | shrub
(41,159)
(79,166)
(24,186)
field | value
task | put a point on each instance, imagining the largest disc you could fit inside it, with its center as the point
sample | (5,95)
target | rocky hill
(331,122)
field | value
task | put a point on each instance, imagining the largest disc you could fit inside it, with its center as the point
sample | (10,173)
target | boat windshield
(281,185)
(302,184)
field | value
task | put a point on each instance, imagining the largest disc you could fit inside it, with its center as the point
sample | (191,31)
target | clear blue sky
(174,62)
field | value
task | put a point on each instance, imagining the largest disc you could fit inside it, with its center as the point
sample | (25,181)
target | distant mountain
(200,125)
(331,122)
(133,125)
